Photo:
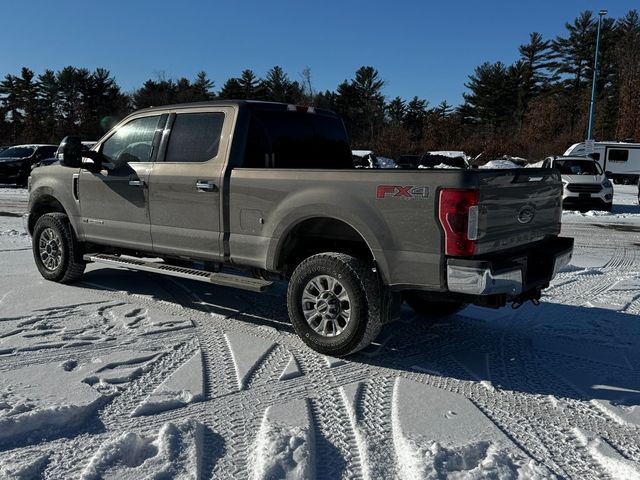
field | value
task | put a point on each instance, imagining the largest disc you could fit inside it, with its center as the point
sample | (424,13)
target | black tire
(364,300)
(430,309)
(61,257)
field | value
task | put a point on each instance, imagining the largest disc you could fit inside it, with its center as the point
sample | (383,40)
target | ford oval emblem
(526,214)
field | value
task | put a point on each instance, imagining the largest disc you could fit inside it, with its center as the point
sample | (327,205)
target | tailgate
(517,207)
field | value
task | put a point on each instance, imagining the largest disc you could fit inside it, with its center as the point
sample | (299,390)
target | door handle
(136,183)
(206,186)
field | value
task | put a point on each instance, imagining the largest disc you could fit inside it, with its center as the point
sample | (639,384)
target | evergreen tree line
(534,107)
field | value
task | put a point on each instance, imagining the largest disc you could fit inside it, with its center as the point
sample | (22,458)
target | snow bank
(184,386)
(63,397)
(439,166)
(24,467)
(284,446)
(472,461)
(607,457)
(501,163)
(450,153)
(44,398)
(174,452)
(452,438)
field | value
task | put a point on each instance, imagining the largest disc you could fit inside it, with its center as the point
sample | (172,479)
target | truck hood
(595,179)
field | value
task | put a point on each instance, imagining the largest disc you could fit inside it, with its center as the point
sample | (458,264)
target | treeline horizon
(532,108)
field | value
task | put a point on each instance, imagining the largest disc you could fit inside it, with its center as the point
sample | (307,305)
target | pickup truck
(243,194)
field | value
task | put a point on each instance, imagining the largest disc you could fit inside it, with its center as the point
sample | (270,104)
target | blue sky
(420,48)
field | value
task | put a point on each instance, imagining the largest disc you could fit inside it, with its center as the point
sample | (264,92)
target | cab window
(195,137)
(133,142)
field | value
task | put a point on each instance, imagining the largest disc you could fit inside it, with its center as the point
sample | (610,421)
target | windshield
(578,167)
(16,152)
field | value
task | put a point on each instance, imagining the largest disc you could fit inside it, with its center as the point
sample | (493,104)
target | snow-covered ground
(130,375)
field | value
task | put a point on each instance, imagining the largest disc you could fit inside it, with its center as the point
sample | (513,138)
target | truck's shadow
(554,349)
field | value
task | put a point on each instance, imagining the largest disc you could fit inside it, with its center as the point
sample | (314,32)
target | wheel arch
(41,205)
(311,235)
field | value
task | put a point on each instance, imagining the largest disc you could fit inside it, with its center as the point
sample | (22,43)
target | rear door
(114,202)
(184,188)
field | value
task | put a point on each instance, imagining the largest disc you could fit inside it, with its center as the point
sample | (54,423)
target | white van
(621,159)
(585,185)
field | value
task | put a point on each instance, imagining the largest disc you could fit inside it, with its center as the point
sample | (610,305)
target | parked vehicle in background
(258,191)
(408,161)
(444,159)
(585,184)
(441,159)
(500,163)
(16,162)
(368,159)
(621,160)
(86,145)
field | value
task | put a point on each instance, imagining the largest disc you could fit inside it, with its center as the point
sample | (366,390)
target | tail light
(458,216)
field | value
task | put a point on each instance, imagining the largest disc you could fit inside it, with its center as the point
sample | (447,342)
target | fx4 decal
(402,191)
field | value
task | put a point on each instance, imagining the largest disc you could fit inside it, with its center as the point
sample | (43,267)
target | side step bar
(217,278)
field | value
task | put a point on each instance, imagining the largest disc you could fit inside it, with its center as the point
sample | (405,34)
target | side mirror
(71,150)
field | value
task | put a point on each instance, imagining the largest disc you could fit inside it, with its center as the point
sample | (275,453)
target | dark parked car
(16,162)
(408,161)
(434,160)
(86,145)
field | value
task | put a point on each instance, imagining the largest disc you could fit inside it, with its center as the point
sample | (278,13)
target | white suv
(586,186)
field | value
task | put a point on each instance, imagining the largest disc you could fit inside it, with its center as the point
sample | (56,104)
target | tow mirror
(71,150)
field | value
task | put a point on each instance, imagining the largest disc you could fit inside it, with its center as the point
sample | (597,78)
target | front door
(184,188)
(114,203)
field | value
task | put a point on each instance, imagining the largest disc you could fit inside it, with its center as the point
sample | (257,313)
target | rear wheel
(430,309)
(335,303)
(57,253)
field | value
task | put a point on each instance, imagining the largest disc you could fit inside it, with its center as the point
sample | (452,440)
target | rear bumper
(510,274)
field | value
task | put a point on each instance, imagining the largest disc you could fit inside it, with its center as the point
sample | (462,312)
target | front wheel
(56,251)
(335,303)
(430,309)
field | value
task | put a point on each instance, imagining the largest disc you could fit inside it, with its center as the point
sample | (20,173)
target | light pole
(592,106)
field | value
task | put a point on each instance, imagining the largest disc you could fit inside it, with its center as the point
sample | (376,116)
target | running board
(225,279)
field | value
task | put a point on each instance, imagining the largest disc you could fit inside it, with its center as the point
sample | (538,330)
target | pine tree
(278,88)
(396,110)
(11,104)
(231,89)
(491,97)
(48,99)
(415,118)
(203,87)
(628,62)
(367,88)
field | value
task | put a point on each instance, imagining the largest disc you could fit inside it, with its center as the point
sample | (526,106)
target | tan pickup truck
(243,194)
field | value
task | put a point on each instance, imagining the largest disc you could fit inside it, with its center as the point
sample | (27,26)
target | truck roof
(233,102)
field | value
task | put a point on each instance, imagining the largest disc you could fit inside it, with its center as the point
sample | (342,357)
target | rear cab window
(282,138)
